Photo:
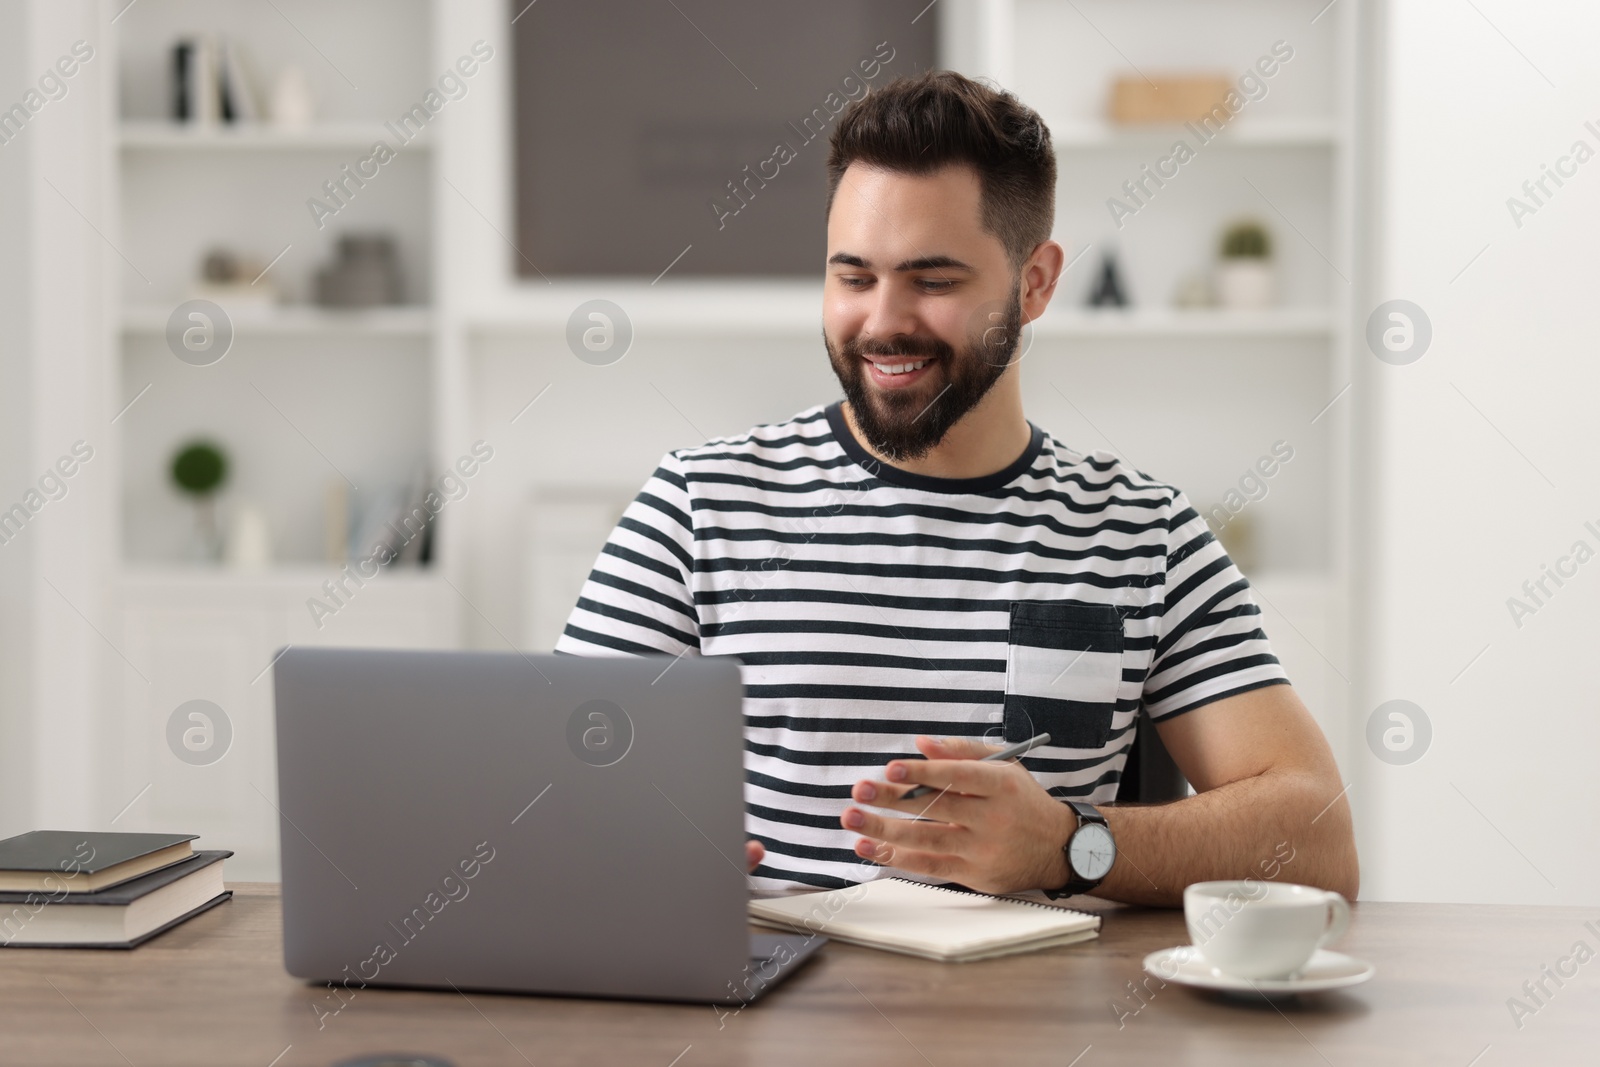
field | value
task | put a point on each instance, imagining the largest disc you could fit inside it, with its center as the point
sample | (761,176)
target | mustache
(908,346)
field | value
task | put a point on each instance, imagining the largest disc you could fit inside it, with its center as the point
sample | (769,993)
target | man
(920,564)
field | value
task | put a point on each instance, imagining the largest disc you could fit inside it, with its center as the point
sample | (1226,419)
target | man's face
(915,282)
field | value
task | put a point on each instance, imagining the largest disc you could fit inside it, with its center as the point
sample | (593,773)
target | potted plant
(1244,277)
(198,470)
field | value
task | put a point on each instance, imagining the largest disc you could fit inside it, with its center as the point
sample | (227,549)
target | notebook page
(923,918)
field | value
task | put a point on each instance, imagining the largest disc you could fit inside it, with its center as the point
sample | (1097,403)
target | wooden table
(213,991)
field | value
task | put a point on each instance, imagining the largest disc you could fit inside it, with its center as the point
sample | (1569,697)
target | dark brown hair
(917,125)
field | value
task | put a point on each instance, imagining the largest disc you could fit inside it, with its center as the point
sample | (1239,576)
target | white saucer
(1325,970)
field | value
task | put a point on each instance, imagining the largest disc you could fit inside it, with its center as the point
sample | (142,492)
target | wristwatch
(1090,852)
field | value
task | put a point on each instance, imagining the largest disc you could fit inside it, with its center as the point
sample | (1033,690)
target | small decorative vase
(205,542)
(1244,283)
(249,539)
(293,104)
(366,273)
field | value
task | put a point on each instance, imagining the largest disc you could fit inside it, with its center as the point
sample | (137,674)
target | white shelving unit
(305,396)
(1194,396)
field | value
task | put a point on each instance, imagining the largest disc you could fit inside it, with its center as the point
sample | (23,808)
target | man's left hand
(987,826)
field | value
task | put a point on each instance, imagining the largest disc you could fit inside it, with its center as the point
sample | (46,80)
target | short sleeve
(637,599)
(1209,641)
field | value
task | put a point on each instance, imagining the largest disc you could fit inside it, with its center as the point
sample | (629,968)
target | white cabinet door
(210,768)
(212,771)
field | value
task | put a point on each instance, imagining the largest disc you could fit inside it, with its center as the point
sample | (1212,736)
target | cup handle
(1338,919)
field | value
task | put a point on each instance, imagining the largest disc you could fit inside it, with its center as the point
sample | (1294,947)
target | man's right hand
(753,851)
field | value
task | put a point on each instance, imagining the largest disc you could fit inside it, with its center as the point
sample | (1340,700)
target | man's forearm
(1284,826)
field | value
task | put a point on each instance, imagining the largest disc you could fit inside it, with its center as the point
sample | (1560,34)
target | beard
(906,423)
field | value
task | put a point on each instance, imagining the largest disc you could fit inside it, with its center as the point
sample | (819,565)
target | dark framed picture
(692,133)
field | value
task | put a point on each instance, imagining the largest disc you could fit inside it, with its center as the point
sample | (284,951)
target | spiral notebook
(934,922)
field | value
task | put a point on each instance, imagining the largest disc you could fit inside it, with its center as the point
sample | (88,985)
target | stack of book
(209,82)
(66,889)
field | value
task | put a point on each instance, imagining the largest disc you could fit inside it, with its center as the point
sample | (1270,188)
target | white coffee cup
(1253,929)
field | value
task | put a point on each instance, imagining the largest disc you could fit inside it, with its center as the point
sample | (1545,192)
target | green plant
(1246,240)
(199,468)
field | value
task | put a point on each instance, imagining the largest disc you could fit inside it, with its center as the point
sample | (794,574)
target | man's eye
(930,284)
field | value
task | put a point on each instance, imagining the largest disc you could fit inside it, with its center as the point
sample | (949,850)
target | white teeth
(899,368)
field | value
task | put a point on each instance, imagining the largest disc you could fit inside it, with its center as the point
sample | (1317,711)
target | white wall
(53,572)
(16,455)
(1479,464)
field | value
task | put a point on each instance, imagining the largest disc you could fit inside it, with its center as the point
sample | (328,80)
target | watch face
(1091,851)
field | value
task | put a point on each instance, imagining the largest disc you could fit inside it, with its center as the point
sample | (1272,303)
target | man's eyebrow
(849,259)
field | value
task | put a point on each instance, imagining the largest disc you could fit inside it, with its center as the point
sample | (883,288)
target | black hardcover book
(85,861)
(124,916)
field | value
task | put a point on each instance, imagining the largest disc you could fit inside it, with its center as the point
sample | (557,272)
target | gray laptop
(526,823)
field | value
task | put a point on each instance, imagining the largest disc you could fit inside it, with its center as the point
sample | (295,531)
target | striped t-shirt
(868,604)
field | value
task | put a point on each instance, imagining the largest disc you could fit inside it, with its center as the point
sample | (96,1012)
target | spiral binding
(991,896)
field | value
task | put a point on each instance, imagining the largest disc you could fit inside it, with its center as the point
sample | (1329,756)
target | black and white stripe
(868,604)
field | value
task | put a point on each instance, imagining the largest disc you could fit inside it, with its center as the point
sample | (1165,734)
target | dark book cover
(182,111)
(136,942)
(84,851)
(123,892)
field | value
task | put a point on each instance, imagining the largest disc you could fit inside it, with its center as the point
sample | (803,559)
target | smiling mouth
(901,366)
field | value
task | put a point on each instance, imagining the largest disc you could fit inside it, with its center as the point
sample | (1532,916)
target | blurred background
(353,322)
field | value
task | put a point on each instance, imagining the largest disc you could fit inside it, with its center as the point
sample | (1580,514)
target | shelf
(1248,133)
(160,135)
(795,308)
(298,320)
(1183,322)
(177,577)
(725,307)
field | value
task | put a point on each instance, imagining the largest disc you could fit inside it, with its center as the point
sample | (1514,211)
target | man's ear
(1040,273)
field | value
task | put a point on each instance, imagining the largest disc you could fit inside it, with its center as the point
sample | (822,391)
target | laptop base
(773,958)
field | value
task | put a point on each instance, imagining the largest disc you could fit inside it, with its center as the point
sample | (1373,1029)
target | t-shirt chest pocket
(1063,668)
